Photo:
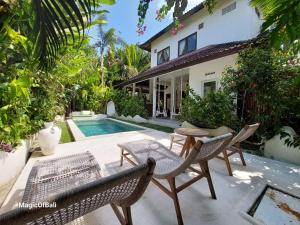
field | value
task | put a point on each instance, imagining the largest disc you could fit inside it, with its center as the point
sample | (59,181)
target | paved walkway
(234,194)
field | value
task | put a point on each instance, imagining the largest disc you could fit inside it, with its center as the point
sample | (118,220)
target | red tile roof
(201,55)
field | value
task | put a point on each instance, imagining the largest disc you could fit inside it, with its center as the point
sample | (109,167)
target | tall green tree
(125,62)
(136,60)
(107,39)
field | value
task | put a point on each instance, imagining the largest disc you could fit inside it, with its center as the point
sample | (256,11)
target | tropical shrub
(129,105)
(125,62)
(98,99)
(212,111)
(267,78)
(14,100)
(39,74)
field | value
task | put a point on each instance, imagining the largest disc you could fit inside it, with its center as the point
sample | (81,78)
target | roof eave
(147,44)
(169,68)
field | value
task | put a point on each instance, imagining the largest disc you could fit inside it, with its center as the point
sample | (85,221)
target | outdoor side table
(190,134)
(51,177)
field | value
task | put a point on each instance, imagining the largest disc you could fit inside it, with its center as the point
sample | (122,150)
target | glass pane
(182,47)
(159,58)
(166,54)
(192,43)
(209,87)
(163,56)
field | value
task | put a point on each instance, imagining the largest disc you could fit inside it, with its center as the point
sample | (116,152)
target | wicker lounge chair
(235,145)
(180,139)
(169,165)
(119,190)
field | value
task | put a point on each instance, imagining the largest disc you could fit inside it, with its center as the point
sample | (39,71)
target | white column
(165,98)
(133,89)
(172,95)
(154,98)
(151,89)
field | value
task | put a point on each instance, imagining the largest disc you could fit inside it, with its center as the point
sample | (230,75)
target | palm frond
(281,20)
(55,19)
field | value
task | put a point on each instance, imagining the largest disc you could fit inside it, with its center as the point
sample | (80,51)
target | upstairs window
(229,8)
(187,44)
(163,56)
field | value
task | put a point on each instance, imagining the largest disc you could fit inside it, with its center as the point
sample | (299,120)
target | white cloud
(191,4)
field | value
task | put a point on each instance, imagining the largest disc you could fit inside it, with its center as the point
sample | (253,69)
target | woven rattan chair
(180,139)
(169,165)
(122,189)
(235,145)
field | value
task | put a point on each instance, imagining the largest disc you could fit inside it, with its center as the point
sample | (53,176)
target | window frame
(186,38)
(229,7)
(160,52)
(209,81)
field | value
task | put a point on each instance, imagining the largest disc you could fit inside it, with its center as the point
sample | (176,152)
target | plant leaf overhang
(58,22)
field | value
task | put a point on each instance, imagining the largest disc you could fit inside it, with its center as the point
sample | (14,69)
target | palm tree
(107,39)
(137,60)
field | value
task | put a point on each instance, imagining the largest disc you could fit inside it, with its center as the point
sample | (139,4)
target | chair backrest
(123,189)
(208,148)
(245,133)
(205,149)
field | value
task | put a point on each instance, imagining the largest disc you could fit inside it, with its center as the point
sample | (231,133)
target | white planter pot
(275,148)
(12,163)
(48,139)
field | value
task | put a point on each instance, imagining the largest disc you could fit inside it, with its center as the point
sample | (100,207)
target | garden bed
(66,135)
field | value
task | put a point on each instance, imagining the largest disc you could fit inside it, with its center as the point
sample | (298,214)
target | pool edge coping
(79,136)
(76,132)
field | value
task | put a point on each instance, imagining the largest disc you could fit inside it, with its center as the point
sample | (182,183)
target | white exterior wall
(198,72)
(240,24)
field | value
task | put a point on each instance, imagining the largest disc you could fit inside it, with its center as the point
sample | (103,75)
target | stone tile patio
(234,194)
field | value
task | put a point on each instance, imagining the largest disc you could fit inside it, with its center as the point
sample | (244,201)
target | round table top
(194,132)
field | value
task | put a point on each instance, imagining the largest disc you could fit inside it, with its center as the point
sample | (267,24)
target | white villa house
(196,56)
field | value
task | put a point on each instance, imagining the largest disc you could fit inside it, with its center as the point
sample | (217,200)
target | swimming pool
(105,126)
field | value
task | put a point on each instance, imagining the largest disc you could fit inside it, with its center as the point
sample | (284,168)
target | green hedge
(212,111)
(128,105)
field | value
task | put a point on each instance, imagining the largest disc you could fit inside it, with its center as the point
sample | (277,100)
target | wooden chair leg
(226,159)
(172,140)
(184,147)
(121,161)
(175,200)
(205,170)
(187,151)
(190,141)
(127,215)
(238,146)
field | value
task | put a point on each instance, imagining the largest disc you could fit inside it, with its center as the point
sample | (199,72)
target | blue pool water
(107,126)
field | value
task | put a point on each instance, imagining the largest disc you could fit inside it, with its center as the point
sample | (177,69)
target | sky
(123,17)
